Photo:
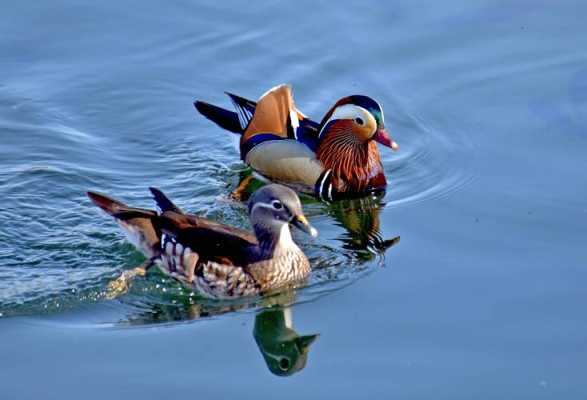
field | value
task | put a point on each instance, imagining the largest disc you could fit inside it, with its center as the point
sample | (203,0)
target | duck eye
(359,121)
(277,204)
(284,364)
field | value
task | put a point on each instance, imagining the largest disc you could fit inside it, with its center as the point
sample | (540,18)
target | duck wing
(211,240)
(278,100)
(276,113)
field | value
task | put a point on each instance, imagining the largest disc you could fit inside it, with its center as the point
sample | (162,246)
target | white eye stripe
(350,111)
(264,205)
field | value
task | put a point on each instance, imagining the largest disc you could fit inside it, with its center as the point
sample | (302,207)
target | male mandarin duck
(217,260)
(335,158)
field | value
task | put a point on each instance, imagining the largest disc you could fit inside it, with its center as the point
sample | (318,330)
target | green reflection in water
(285,351)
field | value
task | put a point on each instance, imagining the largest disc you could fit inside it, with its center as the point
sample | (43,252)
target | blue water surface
(482,298)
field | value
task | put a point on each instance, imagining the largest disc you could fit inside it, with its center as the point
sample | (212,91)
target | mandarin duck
(217,260)
(335,158)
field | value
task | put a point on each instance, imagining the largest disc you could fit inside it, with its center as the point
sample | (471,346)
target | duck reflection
(360,218)
(285,351)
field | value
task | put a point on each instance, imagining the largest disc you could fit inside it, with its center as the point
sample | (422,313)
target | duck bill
(381,136)
(301,222)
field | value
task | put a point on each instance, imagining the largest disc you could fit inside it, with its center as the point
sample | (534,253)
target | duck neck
(274,241)
(353,162)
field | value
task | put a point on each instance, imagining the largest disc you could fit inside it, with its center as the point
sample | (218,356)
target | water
(482,297)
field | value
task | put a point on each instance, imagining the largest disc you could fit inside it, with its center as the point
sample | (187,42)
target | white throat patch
(285,240)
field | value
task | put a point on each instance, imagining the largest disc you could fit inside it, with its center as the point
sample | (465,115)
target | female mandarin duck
(335,158)
(220,261)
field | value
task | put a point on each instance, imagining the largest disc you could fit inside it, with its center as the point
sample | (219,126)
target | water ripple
(61,252)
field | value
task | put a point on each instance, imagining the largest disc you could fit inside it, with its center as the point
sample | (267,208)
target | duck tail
(108,204)
(163,201)
(223,118)
(139,224)
(235,122)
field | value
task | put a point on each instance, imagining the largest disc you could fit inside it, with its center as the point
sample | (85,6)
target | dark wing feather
(211,240)
(225,119)
(163,201)
(244,108)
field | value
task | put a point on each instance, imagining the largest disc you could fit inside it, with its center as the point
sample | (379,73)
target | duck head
(358,118)
(284,350)
(272,209)
(347,145)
